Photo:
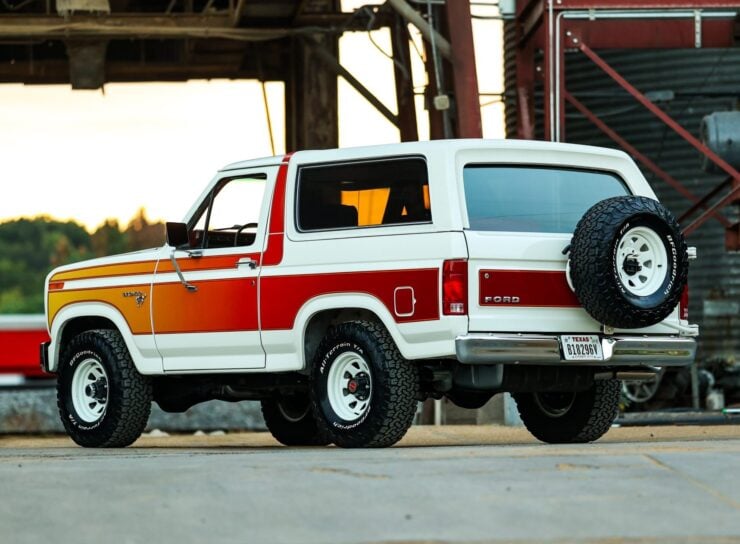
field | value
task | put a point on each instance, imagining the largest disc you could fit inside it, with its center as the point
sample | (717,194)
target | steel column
(311,114)
(467,99)
(403,77)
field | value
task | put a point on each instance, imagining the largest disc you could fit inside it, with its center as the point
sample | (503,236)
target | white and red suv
(341,287)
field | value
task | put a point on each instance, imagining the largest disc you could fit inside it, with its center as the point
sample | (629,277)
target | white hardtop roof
(427,147)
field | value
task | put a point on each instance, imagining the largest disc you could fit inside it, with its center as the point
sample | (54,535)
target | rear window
(534,198)
(363,194)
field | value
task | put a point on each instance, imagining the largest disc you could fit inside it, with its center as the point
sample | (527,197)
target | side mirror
(177,234)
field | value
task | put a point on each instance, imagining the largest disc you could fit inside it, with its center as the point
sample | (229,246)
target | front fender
(141,347)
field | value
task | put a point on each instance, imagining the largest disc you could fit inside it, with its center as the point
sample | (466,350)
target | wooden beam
(238,11)
(331,61)
(133,26)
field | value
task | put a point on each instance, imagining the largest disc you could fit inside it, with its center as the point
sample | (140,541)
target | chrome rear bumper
(493,348)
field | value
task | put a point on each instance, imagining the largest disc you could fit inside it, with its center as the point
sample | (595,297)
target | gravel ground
(419,436)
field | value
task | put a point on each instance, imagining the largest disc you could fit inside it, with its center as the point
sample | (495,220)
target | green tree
(31,247)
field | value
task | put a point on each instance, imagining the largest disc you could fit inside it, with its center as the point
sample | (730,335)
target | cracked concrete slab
(650,485)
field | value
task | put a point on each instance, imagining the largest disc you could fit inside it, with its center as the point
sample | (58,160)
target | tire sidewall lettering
(71,414)
(324,366)
(595,262)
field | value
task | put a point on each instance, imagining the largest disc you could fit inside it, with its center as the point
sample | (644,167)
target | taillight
(683,305)
(455,287)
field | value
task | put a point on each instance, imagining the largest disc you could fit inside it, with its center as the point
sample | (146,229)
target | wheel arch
(318,314)
(77,318)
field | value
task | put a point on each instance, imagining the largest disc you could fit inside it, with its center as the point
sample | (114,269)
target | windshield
(534,198)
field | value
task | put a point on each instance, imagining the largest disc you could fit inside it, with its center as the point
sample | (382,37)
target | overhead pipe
(430,35)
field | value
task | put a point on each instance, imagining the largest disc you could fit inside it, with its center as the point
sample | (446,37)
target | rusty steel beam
(704,201)
(729,198)
(732,196)
(525,126)
(403,79)
(732,238)
(629,148)
(136,26)
(530,9)
(57,72)
(333,64)
(562,5)
(415,18)
(464,75)
(659,113)
(648,33)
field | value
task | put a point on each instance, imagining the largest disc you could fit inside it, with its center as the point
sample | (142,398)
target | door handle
(248,261)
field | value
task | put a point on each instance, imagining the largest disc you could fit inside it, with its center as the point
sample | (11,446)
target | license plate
(582,347)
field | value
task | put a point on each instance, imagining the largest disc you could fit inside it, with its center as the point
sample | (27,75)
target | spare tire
(628,262)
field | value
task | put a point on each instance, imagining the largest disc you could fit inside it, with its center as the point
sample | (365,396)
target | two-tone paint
(254,318)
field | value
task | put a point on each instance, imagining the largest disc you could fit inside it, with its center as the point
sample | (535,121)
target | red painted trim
(283,296)
(535,288)
(275,240)
(19,352)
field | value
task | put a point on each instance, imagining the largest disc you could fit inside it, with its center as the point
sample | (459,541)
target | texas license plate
(582,347)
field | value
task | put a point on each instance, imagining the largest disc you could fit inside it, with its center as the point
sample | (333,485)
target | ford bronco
(342,287)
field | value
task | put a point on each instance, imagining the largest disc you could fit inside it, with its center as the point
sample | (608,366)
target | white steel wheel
(642,261)
(639,392)
(349,386)
(89,390)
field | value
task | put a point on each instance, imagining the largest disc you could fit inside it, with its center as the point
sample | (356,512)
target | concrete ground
(654,485)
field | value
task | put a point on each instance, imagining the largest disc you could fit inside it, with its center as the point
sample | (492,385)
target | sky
(92,155)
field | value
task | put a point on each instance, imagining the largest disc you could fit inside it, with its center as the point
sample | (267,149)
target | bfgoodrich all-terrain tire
(562,418)
(628,262)
(103,400)
(364,393)
(291,421)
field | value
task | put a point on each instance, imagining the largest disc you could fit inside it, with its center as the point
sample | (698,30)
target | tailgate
(517,282)
(520,219)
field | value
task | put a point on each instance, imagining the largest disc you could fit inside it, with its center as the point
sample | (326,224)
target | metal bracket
(189,286)
(697,28)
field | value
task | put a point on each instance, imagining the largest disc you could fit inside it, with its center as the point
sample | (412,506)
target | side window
(363,194)
(230,216)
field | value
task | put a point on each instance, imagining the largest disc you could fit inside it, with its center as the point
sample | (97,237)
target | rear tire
(291,421)
(569,418)
(102,399)
(364,393)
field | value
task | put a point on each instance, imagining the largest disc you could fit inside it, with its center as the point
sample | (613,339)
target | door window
(230,215)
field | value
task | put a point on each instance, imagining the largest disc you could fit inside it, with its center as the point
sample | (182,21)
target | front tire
(103,401)
(364,393)
(291,421)
(570,418)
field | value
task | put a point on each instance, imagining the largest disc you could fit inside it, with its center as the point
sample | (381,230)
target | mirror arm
(189,286)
